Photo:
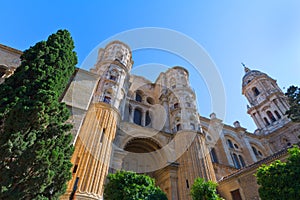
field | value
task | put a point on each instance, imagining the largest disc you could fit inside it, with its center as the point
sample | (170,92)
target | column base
(81,196)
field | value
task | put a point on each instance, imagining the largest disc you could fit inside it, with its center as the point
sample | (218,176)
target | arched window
(266,121)
(255,91)
(102,135)
(277,114)
(148,119)
(235,152)
(271,116)
(213,155)
(229,142)
(236,161)
(254,151)
(137,119)
(242,161)
(150,100)
(113,75)
(107,99)
(235,146)
(138,97)
(176,105)
(187,183)
(178,127)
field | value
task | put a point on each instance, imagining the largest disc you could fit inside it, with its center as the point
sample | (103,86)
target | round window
(150,100)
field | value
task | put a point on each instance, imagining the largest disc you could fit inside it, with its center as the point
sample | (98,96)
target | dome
(116,51)
(250,75)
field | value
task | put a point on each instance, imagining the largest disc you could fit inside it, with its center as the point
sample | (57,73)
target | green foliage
(204,190)
(293,94)
(279,180)
(131,186)
(35,140)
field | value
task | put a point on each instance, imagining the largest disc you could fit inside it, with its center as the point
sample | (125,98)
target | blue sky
(265,35)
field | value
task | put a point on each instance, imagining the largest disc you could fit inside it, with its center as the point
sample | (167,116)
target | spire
(246,69)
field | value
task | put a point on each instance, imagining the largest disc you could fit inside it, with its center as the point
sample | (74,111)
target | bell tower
(182,101)
(267,101)
(93,146)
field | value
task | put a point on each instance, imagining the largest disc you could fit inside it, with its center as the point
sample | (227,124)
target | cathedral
(126,122)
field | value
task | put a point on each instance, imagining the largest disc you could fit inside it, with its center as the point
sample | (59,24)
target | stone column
(166,107)
(173,168)
(131,115)
(143,118)
(93,152)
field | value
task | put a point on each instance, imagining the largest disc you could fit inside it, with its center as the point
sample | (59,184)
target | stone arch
(265,108)
(235,151)
(139,96)
(3,69)
(144,145)
(229,143)
(257,150)
(270,116)
(255,91)
(267,123)
(257,144)
(148,153)
(277,114)
(150,100)
(232,137)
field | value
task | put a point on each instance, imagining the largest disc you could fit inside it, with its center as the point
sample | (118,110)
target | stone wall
(244,180)
(9,61)
(78,96)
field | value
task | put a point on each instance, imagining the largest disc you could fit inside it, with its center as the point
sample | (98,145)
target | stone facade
(243,181)
(123,121)
(9,61)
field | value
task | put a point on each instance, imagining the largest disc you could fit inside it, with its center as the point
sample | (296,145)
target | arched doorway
(142,145)
(146,156)
(143,155)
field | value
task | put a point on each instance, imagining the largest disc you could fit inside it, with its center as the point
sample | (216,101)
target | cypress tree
(293,95)
(35,140)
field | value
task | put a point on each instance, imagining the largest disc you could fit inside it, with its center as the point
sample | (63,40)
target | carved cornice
(10,49)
